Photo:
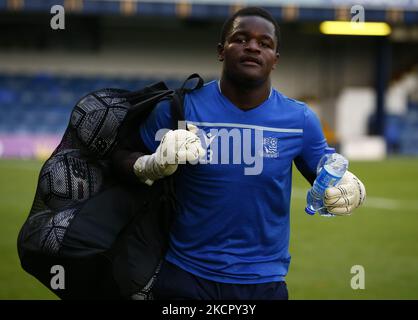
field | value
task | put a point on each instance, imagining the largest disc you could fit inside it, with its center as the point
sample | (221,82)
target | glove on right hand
(176,147)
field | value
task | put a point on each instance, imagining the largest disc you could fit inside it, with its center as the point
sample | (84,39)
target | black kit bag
(106,236)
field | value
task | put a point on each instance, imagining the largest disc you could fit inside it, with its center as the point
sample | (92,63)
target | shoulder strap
(142,102)
(147,97)
(177,104)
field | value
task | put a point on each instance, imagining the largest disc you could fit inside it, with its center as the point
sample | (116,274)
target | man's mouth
(250,61)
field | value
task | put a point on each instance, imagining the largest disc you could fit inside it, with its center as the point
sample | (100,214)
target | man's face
(249,52)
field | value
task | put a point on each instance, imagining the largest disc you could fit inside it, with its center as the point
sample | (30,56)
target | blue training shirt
(233,220)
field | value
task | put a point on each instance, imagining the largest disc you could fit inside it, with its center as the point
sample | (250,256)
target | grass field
(382,236)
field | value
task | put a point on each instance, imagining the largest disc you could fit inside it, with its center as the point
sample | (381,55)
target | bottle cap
(309,211)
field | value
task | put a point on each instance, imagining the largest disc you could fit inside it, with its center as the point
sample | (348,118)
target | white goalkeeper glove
(176,147)
(344,198)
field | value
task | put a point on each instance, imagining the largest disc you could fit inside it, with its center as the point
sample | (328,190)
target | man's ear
(276,62)
(220,49)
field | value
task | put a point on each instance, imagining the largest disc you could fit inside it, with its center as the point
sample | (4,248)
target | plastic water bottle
(330,170)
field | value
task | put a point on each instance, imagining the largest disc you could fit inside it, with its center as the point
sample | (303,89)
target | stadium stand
(409,134)
(401,121)
(44,72)
(318,10)
(35,109)
(356,119)
(39,104)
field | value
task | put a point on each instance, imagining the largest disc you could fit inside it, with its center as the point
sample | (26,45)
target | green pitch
(382,236)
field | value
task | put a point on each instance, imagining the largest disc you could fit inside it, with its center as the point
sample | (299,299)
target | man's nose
(252,45)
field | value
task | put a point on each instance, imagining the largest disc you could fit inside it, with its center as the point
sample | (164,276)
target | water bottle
(330,170)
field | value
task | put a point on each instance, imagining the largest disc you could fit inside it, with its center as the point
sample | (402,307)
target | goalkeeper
(230,238)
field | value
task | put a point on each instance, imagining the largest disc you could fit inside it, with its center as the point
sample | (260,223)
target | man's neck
(245,97)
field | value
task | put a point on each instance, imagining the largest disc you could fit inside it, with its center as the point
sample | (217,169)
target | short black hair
(250,11)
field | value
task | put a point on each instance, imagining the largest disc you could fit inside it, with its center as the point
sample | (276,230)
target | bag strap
(142,102)
(147,98)
(177,104)
(131,96)
(156,92)
(198,85)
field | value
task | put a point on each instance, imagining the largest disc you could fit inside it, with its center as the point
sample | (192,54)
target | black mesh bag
(109,236)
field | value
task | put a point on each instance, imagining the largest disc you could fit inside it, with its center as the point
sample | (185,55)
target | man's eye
(239,39)
(265,44)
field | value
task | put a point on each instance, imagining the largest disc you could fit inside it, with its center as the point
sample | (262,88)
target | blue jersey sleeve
(314,145)
(156,125)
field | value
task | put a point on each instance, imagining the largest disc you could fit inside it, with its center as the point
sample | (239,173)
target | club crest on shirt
(270,147)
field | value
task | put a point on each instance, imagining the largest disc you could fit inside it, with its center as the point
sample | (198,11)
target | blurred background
(363,87)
